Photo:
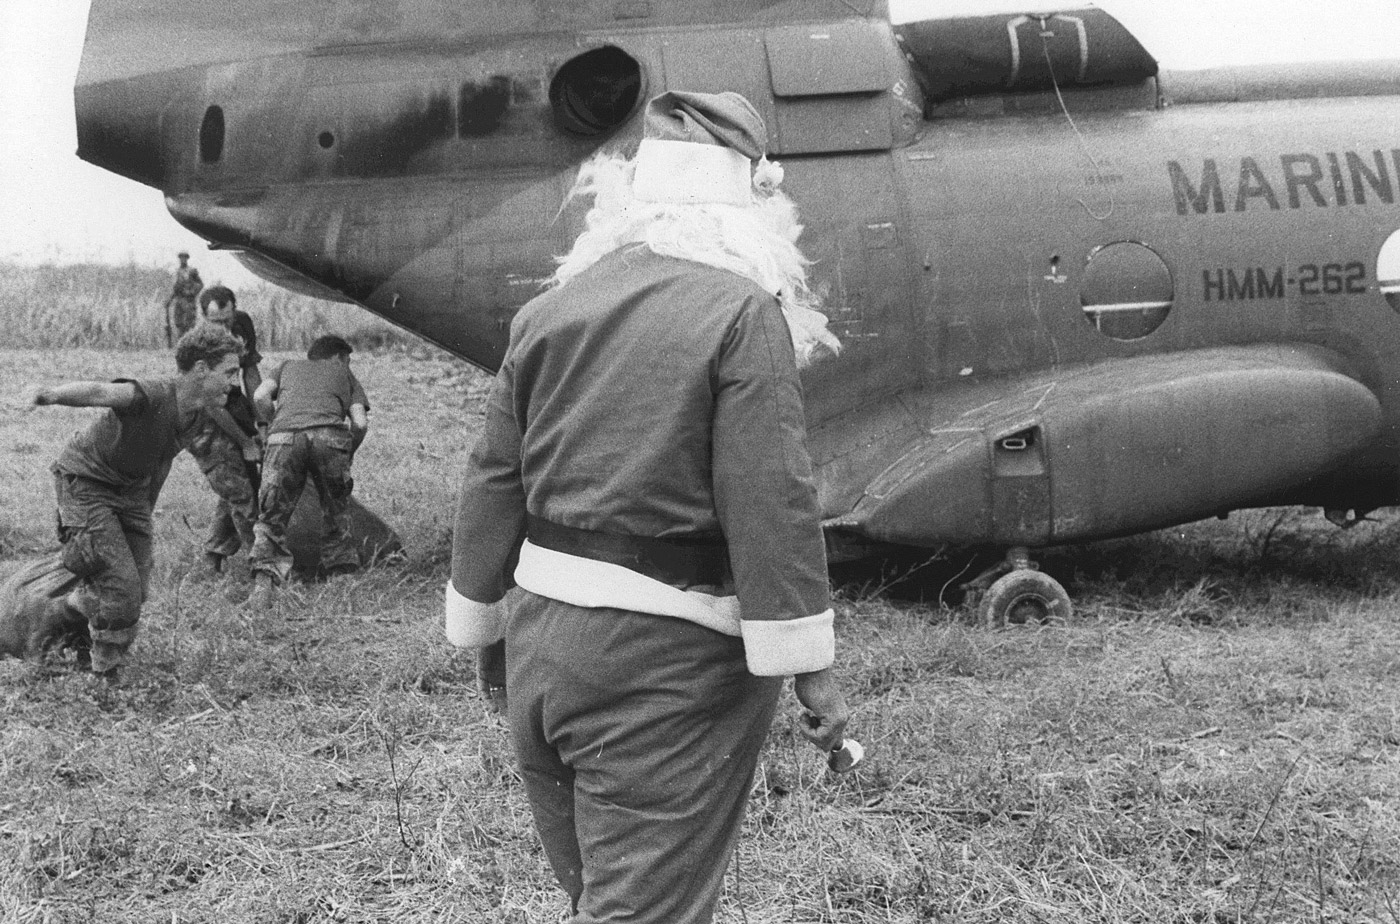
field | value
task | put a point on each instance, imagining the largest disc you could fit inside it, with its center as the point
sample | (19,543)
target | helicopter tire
(1026,597)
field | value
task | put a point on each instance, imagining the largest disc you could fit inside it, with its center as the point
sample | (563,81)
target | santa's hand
(824,723)
(491,676)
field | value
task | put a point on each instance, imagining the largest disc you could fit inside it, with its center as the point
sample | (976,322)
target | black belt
(681,562)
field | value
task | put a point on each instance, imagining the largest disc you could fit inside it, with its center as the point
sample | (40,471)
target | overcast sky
(55,206)
(58,207)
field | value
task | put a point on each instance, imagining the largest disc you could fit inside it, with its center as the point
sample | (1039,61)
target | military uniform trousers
(183,313)
(112,526)
(221,461)
(637,737)
(323,455)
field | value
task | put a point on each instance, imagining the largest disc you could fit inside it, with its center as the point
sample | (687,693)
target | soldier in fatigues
(180,312)
(220,306)
(108,478)
(643,490)
(310,402)
(228,456)
(226,445)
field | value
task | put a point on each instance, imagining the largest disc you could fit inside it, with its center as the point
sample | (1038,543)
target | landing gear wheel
(1026,597)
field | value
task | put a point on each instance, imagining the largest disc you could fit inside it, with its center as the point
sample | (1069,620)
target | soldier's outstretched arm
(119,395)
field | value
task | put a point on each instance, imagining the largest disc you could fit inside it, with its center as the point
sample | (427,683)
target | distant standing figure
(108,477)
(309,402)
(226,446)
(180,306)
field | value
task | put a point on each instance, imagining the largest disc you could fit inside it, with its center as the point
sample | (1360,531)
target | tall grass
(1216,741)
(123,307)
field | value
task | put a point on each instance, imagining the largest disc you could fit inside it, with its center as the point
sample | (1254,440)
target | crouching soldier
(108,477)
(309,401)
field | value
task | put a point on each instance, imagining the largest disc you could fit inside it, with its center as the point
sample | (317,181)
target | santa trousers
(637,738)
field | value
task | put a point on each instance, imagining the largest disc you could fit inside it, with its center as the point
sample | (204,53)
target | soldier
(180,306)
(226,445)
(309,401)
(108,477)
(220,306)
(643,481)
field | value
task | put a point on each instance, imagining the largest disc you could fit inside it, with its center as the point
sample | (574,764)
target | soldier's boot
(238,579)
(238,570)
(111,649)
(208,567)
(264,591)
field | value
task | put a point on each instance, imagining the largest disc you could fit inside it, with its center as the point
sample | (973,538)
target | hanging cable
(1083,142)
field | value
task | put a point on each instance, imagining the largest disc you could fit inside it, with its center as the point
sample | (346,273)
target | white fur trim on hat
(688,173)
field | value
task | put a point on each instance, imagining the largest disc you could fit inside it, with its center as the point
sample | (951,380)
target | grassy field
(74,305)
(1217,740)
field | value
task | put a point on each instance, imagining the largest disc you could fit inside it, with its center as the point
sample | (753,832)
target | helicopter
(1080,296)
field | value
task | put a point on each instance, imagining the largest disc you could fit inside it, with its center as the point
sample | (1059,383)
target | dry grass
(1217,741)
(122,307)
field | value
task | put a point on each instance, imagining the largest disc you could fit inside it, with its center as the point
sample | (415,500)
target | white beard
(758,242)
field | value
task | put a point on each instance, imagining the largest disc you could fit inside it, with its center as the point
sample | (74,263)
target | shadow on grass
(1259,566)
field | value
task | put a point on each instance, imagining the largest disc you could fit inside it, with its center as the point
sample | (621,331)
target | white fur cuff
(470,624)
(782,647)
(689,173)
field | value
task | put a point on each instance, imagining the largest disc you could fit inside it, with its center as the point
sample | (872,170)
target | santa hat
(699,148)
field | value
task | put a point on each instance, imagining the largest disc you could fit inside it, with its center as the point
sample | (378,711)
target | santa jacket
(652,397)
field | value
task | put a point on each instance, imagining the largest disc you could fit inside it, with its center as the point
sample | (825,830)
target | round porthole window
(1127,290)
(1388,270)
(595,92)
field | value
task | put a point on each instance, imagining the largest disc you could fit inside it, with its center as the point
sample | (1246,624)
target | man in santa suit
(639,524)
